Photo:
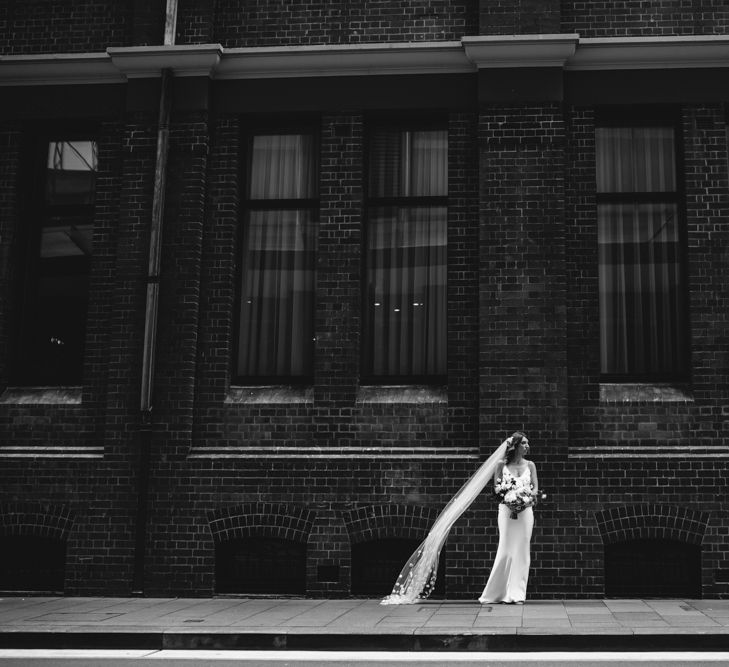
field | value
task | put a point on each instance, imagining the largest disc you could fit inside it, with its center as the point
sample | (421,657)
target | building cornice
(58,69)
(137,62)
(503,51)
(611,53)
(344,60)
(470,54)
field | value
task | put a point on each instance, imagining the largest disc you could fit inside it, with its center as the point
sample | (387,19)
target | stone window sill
(269,395)
(41,396)
(402,394)
(640,392)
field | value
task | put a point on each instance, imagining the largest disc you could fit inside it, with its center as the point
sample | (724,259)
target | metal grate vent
(652,568)
(32,563)
(376,565)
(260,565)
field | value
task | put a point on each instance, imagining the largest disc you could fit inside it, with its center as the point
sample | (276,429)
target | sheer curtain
(642,321)
(407,253)
(277,276)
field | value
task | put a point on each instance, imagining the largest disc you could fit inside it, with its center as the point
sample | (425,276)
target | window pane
(407,163)
(53,319)
(71,172)
(56,323)
(642,321)
(635,159)
(405,306)
(282,167)
(277,294)
(63,238)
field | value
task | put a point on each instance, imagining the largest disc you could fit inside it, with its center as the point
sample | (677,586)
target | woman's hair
(514,441)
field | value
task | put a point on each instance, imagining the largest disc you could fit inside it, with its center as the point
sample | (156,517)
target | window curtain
(407,254)
(642,322)
(277,278)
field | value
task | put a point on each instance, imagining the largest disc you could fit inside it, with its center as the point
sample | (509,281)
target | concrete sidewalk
(265,623)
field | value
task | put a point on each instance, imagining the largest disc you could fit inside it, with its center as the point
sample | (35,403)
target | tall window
(406,254)
(643,319)
(58,231)
(276,323)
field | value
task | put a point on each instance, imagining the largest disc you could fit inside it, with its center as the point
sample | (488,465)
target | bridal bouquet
(516,493)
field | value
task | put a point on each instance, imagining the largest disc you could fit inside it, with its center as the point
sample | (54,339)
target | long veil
(417,578)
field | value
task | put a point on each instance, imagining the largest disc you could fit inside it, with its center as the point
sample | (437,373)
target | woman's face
(523,447)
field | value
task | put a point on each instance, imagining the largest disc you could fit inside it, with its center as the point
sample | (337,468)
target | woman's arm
(535,480)
(497,472)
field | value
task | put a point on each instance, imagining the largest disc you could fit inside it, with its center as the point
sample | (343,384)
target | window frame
(402,123)
(34,213)
(644,117)
(250,128)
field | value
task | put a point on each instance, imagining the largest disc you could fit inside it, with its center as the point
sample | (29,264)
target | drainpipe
(152,308)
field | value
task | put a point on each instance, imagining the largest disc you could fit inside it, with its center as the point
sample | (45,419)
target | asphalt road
(145,658)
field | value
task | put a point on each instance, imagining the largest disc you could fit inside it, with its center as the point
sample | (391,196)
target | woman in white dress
(417,578)
(510,572)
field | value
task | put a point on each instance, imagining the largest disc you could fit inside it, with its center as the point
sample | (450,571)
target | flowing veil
(417,578)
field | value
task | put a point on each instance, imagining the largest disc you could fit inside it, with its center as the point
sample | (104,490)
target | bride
(510,572)
(508,579)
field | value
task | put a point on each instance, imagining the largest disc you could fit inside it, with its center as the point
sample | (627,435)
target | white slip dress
(510,572)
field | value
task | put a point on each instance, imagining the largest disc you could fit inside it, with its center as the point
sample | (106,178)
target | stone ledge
(638,392)
(41,396)
(401,394)
(270,395)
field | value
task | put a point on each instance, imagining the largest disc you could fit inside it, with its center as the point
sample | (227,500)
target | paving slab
(268,623)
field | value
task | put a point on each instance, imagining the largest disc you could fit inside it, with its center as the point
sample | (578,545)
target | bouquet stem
(514,514)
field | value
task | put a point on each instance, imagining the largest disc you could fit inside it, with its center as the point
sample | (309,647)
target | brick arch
(36,519)
(647,521)
(278,520)
(376,522)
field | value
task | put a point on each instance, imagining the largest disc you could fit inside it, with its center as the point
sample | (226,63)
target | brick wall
(522,283)
(597,18)
(519,17)
(40,26)
(264,23)
(522,329)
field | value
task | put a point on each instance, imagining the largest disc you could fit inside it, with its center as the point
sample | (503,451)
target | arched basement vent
(376,564)
(652,568)
(261,565)
(31,563)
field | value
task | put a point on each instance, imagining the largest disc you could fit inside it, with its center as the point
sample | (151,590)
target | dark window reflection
(276,323)
(59,246)
(406,254)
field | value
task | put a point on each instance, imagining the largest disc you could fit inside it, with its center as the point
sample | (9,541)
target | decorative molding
(344,60)
(490,51)
(680,51)
(407,453)
(51,452)
(58,69)
(136,62)
(649,452)
(470,54)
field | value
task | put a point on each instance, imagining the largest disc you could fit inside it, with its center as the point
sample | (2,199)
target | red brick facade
(338,463)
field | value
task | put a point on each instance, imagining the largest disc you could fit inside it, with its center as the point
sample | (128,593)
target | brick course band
(261,520)
(632,522)
(36,519)
(376,522)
